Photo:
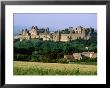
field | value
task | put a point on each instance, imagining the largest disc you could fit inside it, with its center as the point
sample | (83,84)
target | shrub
(63,60)
(20,57)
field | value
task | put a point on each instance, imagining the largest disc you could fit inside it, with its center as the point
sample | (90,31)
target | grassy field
(37,68)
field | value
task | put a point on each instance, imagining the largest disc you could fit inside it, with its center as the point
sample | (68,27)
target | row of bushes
(22,57)
(41,58)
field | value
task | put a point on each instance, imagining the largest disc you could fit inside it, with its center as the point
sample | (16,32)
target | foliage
(22,57)
(50,51)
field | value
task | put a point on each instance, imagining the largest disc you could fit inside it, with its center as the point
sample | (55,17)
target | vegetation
(37,57)
(38,68)
(50,51)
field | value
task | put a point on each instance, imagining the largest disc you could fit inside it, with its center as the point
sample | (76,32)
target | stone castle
(74,33)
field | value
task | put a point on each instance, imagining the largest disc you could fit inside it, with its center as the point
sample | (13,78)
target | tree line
(38,50)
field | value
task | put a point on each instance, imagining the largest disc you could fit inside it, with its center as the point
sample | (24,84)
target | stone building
(79,56)
(90,54)
(75,33)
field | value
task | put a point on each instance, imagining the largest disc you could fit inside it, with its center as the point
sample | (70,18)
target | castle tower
(34,32)
(83,31)
(24,35)
(78,30)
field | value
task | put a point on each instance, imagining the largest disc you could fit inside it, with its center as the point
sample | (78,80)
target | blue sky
(55,21)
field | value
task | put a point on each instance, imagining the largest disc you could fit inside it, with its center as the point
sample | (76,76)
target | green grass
(84,63)
(37,68)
